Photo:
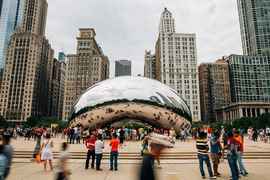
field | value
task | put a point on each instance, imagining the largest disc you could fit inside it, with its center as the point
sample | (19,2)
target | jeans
(113,160)
(240,163)
(90,154)
(205,158)
(232,159)
(98,161)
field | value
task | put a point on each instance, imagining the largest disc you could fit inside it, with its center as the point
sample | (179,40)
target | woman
(46,152)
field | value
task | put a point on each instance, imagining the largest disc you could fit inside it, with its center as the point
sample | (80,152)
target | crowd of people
(213,145)
(219,142)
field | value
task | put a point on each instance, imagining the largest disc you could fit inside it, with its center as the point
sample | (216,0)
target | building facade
(122,68)
(11,14)
(176,62)
(28,66)
(85,68)
(244,109)
(149,65)
(254,16)
(250,78)
(214,88)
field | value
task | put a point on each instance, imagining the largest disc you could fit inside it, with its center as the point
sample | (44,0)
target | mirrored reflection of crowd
(214,145)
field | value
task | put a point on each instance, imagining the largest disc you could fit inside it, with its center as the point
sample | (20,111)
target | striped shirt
(202,146)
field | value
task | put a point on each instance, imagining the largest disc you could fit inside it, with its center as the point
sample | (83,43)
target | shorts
(215,158)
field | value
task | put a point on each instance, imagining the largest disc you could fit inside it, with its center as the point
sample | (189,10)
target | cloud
(125,28)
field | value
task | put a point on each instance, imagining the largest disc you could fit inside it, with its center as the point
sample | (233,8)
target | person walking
(233,146)
(239,153)
(114,152)
(99,146)
(90,145)
(215,149)
(202,150)
(46,152)
(63,171)
(8,152)
(3,163)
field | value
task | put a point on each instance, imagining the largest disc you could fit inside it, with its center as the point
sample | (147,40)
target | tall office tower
(61,56)
(254,16)
(149,65)
(54,91)
(122,68)
(176,62)
(62,60)
(214,88)
(85,68)
(28,67)
(11,13)
(250,78)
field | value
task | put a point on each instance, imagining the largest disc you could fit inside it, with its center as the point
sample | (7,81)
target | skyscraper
(11,13)
(149,65)
(176,62)
(85,68)
(214,88)
(28,67)
(122,68)
(254,16)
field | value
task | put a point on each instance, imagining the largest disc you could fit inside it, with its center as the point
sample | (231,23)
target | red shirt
(114,145)
(90,143)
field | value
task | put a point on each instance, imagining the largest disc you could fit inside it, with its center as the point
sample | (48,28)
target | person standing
(63,171)
(233,146)
(215,149)
(122,136)
(239,153)
(46,152)
(90,145)
(114,152)
(202,150)
(8,152)
(99,146)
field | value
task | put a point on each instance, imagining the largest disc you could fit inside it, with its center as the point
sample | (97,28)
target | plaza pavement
(23,169)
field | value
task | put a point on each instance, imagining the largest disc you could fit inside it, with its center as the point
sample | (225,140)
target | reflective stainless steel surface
(131,89)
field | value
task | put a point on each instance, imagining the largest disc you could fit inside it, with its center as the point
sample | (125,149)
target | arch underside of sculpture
(153,115)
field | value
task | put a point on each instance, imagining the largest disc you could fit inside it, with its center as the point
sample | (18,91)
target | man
(8,152)
(239,153)
(202,150)
(233,147)
(90,145)
(215,151)
(63,171)
(114,152)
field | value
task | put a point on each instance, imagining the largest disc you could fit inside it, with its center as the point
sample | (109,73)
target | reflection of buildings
(122,68)
(83,69)
(28,66)
(176,61)
(214,88)
(149,65)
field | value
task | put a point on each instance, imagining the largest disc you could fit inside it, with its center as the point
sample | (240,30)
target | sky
(126,28)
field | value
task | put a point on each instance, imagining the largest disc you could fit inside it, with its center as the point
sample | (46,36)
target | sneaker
(203,177)
(213,177)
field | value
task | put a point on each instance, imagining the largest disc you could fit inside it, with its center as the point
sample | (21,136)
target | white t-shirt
(99,146)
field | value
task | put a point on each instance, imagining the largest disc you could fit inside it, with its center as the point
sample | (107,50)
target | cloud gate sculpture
(128,97)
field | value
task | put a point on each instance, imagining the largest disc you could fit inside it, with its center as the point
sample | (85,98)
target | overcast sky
(126,28)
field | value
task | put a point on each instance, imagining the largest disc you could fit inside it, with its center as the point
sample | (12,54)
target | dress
(47,151)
